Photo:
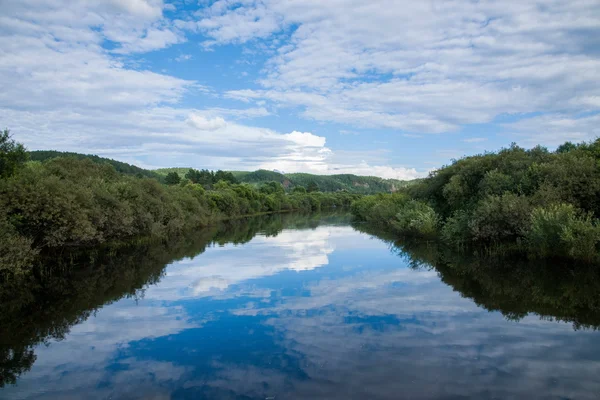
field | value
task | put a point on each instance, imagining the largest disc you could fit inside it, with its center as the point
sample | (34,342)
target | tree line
(70,201)
(545,203)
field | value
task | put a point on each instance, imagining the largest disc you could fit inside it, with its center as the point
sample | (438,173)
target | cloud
(205,124)
(426,67)
(183,57)
(555,129)
(151,39)
(475,140)
(62,90)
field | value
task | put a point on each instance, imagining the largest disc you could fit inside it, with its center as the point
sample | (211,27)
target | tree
(224,176)
(206,178)
(12,154)
(193,175)
(271,188)
(299,189)
(312,187)
(172,178)
(566,147)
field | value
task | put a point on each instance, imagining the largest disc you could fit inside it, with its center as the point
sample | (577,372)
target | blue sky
(386,88)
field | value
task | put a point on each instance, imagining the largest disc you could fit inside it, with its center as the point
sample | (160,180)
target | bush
(456,229)
(16,253)
(558,230)
(417,219)
(498,218)
(380,209)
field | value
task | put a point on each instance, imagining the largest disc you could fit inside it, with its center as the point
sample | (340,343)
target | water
(293,307)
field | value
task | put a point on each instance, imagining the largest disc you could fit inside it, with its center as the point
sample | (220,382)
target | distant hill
(165,171)
(326,183)
(124,168)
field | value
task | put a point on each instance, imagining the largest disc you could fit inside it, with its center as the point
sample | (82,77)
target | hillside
(326,183)
(124,168)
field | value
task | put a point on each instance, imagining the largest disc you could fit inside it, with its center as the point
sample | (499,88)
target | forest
(540,202)
(71,201)
(311,182)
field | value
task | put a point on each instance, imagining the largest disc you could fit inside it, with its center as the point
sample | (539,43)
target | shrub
(456,229)
(558,230)
(380,209)
(499,218)
(416,218)
(16,253)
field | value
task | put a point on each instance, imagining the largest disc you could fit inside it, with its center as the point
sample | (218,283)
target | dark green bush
(559,230)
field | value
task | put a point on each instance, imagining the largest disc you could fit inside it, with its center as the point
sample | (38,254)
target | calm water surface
(297,308)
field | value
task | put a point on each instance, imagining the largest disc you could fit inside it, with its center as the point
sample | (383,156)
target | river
(300,307)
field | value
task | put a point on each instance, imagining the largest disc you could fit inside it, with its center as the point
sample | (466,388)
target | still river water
(300,307)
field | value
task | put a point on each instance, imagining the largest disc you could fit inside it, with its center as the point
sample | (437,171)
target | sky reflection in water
(311,313)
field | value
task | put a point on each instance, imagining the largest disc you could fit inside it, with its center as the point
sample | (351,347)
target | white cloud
(150,39)
(183,57)
(475,140)
(419,66)
(205,124)
(62,90)
(555,129)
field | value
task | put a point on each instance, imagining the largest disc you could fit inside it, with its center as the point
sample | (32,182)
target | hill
(123,168)
(326,183)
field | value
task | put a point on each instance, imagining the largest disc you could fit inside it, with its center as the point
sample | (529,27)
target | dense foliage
(121,167)
(546,203)
(203,177)
(72,201)
(323,183)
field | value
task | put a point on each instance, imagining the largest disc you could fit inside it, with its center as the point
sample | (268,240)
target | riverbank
(538,202)
(66,202)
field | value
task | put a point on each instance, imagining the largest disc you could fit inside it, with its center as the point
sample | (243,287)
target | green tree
(271,188)
(312,187)
(12,154)
(172,178)
(193,175)
(224,176)
(299,189)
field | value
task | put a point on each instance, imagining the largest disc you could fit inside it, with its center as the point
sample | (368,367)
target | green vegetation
(76,202)
(324,183)
(536,201)
(121,167)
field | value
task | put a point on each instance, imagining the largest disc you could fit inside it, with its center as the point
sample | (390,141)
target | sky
(389,88)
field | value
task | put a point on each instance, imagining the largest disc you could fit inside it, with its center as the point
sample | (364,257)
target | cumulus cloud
(426,67)
(206,124)
(62,90)
(555,129)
